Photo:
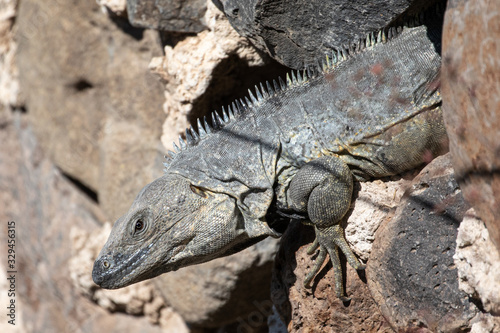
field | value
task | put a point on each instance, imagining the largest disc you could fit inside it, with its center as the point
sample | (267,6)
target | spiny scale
(252,97)
(201,130)
(264,91)
(225,116)
(189,137)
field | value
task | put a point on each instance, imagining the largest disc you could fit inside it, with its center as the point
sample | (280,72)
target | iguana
(291,148)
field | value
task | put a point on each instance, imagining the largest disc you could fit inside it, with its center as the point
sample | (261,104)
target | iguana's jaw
(112,271)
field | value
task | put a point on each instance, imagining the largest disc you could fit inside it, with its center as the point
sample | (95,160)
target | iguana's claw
(329,240)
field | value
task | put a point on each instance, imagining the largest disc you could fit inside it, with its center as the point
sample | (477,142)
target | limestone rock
(85,247)
(485,323)
(300,32)
(319,309)
(119,7)
(78,89)
(411,272)
(478,263)
(224,290)
(168,15)
(471,103)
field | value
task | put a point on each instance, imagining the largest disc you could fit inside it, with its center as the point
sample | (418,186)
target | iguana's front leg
(323,188)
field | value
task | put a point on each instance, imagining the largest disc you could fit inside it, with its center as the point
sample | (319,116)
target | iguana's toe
(335,235)
(313,247)
(317,263)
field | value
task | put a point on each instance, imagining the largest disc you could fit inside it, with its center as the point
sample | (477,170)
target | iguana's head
(171,224)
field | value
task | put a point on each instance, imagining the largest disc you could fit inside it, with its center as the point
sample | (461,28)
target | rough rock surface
(118,7)
(485,323)
(224,290)
(168,15)
(45,205)
(471,103)
(207,71)
(83,94)
(411,272)
(319,310)
(478,263)
(299,32)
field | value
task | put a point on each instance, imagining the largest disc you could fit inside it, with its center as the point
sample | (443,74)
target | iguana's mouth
(178,249)
(106,272)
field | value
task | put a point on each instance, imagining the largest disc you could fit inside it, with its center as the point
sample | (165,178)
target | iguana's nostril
(101,269)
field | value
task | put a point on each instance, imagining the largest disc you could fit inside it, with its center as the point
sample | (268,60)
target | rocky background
(92,96)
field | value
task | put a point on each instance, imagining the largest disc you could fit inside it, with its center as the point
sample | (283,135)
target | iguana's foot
(329,240)
(323,188)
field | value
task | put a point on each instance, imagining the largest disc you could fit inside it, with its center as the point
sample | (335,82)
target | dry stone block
(168,15)
(300,32)
(471,103)
(411,272)
(77,89)
(207,71)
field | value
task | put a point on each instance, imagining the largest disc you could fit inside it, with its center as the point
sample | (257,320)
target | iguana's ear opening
(202,192)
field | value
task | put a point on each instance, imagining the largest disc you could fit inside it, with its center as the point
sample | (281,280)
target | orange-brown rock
(318,309)
(471,103)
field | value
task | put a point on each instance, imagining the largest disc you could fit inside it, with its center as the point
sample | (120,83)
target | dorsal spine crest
(292,79)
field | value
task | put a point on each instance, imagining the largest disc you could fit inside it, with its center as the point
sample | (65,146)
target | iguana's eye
(139,225)
(198,190)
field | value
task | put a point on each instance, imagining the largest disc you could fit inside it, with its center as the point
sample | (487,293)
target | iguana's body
(296,150)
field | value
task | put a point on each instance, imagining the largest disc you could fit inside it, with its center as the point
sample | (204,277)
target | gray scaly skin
(296,149)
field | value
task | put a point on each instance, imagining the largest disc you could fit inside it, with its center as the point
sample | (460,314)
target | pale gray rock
(223,290)
(168,15)
(80,91)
